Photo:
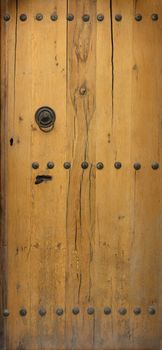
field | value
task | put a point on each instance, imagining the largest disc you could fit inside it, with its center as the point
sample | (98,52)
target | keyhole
(11,141)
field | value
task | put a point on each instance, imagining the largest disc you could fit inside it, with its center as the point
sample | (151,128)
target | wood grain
(7,69)
(81,185)
(89,237)
(3,260)
(146,146)
(36,241)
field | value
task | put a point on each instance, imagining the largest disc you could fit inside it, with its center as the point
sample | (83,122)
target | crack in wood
(112,58)
(15,55)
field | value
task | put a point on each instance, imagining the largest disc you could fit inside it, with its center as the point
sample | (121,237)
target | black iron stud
(6,17)
(54,17)
(83,90)
(122,311)
(84,165)
(137,310)
(70,17)
(90,310)
(67,165)
(23,17)
(138,17)
(50,165)
(117,165)
(154,17)
(35,165)
(118,18)
(155,166)
(137,166)
(99,166)
(42,312)
(75,310)
(39,17)
(107,310)
(6,313)
(151,310)
(85,18)
(100,17)
(59,312)
(23,312)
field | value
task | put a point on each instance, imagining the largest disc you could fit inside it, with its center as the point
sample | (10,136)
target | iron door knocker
(45,118)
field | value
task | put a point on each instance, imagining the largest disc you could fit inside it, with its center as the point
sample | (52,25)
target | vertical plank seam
(68,182)
(2,190)
(15,58)
(112,60)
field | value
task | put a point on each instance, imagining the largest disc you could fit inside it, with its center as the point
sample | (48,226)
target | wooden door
(81,238)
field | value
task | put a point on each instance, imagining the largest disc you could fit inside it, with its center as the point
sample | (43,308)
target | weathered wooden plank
(81,121)
(7,94)
(113,185)
(18,175)
(36,215)
(3,238)
(101,280)
(90,237)
(49,200)
(146,149)
(50,76)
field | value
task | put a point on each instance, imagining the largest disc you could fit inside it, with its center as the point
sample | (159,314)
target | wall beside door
(81,252)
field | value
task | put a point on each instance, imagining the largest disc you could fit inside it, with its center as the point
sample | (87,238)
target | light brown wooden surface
(88,238)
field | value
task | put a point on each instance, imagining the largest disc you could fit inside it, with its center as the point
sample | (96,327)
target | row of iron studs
(90,311)
(100,17)
(99,166)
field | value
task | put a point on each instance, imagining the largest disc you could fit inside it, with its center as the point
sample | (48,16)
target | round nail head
(75,310)
(107,310)
(42,312)
(86,18)
(6,17)
(100,17)
(118,18)
(137,310)
(154,17)
(122,311)
(6,313)
(67,165)
(155,166)
(59,312)
(23,17)
(117,165)
(138,17)
(39,16)
(137,166)
(54,17)
(50,165)
(84,165)
(90,310)
(99,166)
(35,165)
(23,312)
(151,310)
(70,17)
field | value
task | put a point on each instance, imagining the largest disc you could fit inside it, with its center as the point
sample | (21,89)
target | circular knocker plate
(45,118)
